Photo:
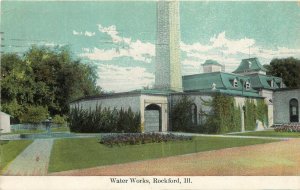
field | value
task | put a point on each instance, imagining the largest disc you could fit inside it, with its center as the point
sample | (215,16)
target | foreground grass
(9,150)
(59,129)
(68,154)
(270,133)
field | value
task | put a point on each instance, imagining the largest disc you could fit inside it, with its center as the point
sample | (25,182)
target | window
(271,83)
(247,85)
(294,110)
(234,83)
(279,84)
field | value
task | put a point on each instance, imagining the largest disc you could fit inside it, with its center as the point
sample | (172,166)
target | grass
(60,129)
(9,150)
(68,154)
(270,133)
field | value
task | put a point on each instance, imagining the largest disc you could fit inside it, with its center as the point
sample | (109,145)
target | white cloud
(86,33)
(89,34)
(229,52)
(123,47)
(120,79)
(77,33)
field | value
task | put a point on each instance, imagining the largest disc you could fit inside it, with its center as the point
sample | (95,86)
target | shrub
(34,114)
(181,115)
(291,127)
(59,120)
(136,138)
(225,115)
(104,120)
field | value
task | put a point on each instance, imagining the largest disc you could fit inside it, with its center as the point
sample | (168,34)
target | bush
(59,120)
(181,115)
(34,114)
(133,139)
(104,120)
(288,128)
(225,115)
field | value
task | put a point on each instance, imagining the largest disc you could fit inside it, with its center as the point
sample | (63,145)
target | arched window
(194,114)
(294,110)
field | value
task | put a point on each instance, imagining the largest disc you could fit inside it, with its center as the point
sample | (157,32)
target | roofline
(286,89)
(118,94)
(237,74)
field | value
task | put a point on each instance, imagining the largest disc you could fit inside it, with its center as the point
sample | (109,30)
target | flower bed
(291,127)
(132,139)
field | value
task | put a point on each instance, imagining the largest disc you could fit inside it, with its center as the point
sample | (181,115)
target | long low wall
(118,102)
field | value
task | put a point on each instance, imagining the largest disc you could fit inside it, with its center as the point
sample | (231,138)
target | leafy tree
(47,77)
(288,69)
(181,114)
(34,114)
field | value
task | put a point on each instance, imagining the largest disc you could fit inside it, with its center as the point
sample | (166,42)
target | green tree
(47,77)
(34,114)
(181,114)
(288,69)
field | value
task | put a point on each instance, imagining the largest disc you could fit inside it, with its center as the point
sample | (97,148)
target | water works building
(248,83)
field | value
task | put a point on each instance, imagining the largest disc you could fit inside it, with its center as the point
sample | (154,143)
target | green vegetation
(104,120)
(47,78)
(68,154)
(288,69)
(270,133)
(182,115)
(225,116)
(59,120)
(9,150)
(140,138)
(57,129)
(250,115)
(34,114)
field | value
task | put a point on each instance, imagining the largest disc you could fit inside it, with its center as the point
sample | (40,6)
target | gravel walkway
(33,160)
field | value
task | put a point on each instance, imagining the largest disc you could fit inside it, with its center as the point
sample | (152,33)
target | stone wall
(281,101)
(118,102)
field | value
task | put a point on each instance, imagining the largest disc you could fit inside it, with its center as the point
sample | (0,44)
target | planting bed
(137,138)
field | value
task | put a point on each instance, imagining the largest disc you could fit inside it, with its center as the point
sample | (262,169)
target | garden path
(33,160)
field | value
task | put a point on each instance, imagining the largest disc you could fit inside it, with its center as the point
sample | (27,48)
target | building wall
(162,102)
(281,105)
(118,102)
(4,123)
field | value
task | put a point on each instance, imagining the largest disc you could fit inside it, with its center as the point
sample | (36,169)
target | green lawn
(270,133)
(9,150)
(68,154)
(60,129)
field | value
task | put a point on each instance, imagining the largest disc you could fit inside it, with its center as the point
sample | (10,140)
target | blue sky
(119,37)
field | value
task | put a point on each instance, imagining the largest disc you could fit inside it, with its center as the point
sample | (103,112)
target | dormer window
(247,85)
(279,84)
(271,83)
(235,83)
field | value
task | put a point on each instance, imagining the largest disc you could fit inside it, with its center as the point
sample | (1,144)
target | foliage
(133,139)
(104,120)
(250,115)
(288,69)
(292,127)
(47,77)
(34,114)
(76,153)
(60,120)
(181,114)
(262,112)
(225,117)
